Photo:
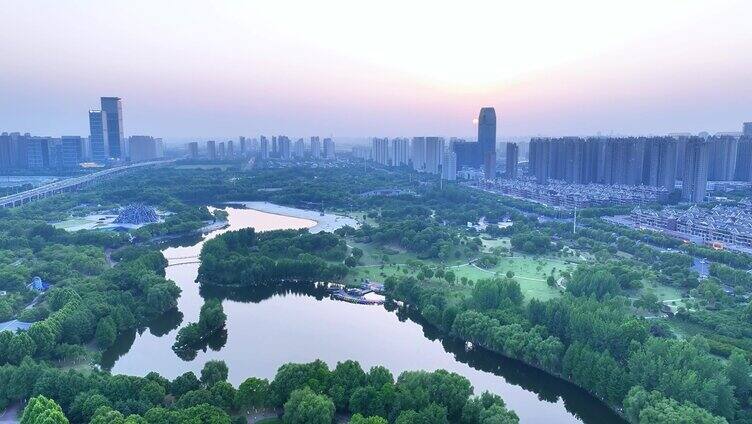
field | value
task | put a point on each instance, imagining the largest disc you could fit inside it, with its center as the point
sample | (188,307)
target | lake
(272,326)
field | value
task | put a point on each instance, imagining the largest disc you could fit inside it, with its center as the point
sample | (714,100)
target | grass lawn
(270,421)
(489,244)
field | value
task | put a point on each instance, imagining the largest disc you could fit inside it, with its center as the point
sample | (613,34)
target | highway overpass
(68,184)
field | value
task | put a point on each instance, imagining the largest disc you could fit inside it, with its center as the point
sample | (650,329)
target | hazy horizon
(350,70)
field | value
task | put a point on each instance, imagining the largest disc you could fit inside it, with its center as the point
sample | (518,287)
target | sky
(383,68)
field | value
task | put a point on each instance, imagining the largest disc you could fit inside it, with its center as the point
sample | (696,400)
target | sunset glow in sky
(351,68)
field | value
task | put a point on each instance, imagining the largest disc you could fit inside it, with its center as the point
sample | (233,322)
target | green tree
(306,407)
(359,419)
(253,393)
(41,410)
(106,333)
(213,372)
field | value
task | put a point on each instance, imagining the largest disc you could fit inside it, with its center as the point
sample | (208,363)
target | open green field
(530,272)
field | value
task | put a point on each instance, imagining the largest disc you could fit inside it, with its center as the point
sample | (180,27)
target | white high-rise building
(419,153)
(315,148)
(434,152)
(400,151)
(329,149)
(380,151)
(299,148)
(264,148)
(449,167)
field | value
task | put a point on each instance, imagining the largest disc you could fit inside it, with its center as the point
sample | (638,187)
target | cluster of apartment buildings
(280,147)
(431,154)
(722,226)
(651,161)
(105,143)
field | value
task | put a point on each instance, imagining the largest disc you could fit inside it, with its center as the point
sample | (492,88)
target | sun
(475,121)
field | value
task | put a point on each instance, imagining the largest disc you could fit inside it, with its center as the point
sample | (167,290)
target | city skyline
(256,69)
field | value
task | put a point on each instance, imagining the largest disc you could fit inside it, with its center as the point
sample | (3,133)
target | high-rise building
(329,153)
(37,152)
(98,136)
(221,150)
(513,153)
(380,151)
(300,148)
(143,148)
(72,151)
(230,148)
(193,150)
(211,150)
(7,157)
(264,149)
(113,107)
(418,153)
(400,151)
(487,140)
(747,129)
(539,158)
(283,143)
(315,147)
(434,153)
(660,163)
(243,146)
(695,179)
(449,166)
(744,159)
(723,151)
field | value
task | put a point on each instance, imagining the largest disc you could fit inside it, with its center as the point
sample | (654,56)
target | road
(67,184)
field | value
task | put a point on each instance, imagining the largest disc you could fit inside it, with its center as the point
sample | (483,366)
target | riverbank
(328,222)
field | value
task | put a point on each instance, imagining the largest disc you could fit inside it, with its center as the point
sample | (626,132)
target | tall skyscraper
(723,151)
(299,148)
(329,152)
(540,152)
(211,150)
(98,136)
(434,153)
(418,153)
(72,151)
(487,140)
(695,178)
(264,149)
(660,163)
(744,159)
(283,143)
(400,151)
(513,153)
(315,147)
(449,166)
(747,129)
(380,151)
(221,150)
(243,146)
(193,150)
(230,148)
(114,109)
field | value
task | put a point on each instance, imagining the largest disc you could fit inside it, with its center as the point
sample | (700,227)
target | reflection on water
(270,326)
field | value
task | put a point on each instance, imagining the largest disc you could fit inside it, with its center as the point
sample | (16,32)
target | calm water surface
(269,327)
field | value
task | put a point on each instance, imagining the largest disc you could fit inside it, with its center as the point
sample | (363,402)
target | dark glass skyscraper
(98,138)
(487,140)
(114,110)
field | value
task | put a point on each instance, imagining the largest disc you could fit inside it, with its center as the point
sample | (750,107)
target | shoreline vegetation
(595,332)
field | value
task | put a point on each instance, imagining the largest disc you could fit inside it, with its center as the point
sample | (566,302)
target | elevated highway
(69,184)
